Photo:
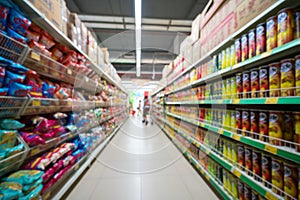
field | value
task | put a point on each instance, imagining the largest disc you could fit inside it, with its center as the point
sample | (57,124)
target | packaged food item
(34,194)
(16,36)
(16,68)
(248,160)
(297,24)
(271,33)
(263,126)
(220,59)
(224,62)
(2,75)
(10,190)
(244,47)
(290,180)
(264,81)
(288,126)
(234,152)
(254,82)
(24,176)
(232,55)
(238,117)
(297,130)
(246,85)
(18,22)
(32,36)
(32,139)
(14,150)
(228,88)
(241,156)
(30,187)
(245,122)
(277,175)
(297,75)
(275,127)
(247,192)
(234,187)
(287,77)
(233,121)
(10,124)
(18,90)
(285,26)
(228,61)
(260,38)
(11,77)
(233,89)
(239,85)
(3,16)
(256,164)
(266,169)
(252,43)
(7,139)
(254,124)
(254,195)
(46,40)
(241,190)
(274,79)
(3,91)
(238,50)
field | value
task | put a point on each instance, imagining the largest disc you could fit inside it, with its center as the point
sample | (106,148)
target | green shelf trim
(254,101)
(286,154)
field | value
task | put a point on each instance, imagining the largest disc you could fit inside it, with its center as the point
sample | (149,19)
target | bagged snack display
(10,124)
(18,22)
(11,190)
(32,139)
(4,11)
(24,176)
(18,90)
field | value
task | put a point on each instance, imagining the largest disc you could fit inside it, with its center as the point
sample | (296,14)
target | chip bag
(18,90)
(10,124)
(18,22)
(11,190)
(25,176)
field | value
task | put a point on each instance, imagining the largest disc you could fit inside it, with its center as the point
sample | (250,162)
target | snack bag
(7,139)
(46,40)
(25,176)
(32,36)
(48,90)
(44,126)
(3,91)
(16,36)
(11,77)
(34,194)
(3,17)
(18,22)
(14,150)
(10,124)
(16,68)
(11,190)
(18,90)
(32,139)
(2,75)
(30,187)
(5,62)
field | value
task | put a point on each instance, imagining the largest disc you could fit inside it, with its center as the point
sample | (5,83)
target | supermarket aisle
(141,163)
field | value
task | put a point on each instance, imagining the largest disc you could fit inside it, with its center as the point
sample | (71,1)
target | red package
(58,165)
(71,56)
(63,48)
(36,46)
(81,58)
(48,174)
(56,54)
(47,53)
(48,135)
(48,185)
(47,41)
(35,28)
(44,126)
(31,35)
(32,139)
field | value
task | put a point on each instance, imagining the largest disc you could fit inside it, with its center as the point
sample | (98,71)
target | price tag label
(202,171)
(207,176)
(219,101)
(34,151)
(35,56)
(36,102)
(47,195)
(69,72)
(207,151)
(271,149)
(237,137)
(236,101)
(270,196)
(271,101)
(237,173)
(221,131)
(76,167)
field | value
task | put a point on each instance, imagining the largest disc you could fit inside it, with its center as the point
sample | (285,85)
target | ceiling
(165,23)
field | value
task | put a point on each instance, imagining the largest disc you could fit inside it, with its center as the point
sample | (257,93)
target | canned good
(224,62)
(225,153)
(297,130)
(244,47)
(287,77)
(277,175)
(245,122)
(256,163)
(228,119)
(224,86)
(232,55)
(229,151)
(266,167)
(241,190)
(271,33)
(264,81)
(234,187)
(247,192)
(297,75)
(238,118)
(220,59)
(238,50)
(297,24)
(239,85)
(290,180)
(260,38)
(233,121)
(288,126)
(254,124)
(234,153)
(252,43)
(246,85)
(241,156)
(248,160)
(275,127)
(254,81)
(233,88)
(285,26)
(229,182)
(228,59)
(228,88)
(263,126)
(274,79)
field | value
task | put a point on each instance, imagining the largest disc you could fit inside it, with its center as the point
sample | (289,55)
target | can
(266,169)
(274,79)
(228,119)
(246,84)
(297,75)
(238,118)
(229,151)
(228,59)
(264,81)
(229,182)
(234,187)
(288,126)
(238,50)
(252,43)
(233,121)
(232,55)
(247,192)
(245,122)
(239,85)
(254,81)
(260,38)
(284,26)
(271,33)
(254,124)
(297,130)
(244,47)
(234,153)
(275,127)
(263,126)
(224,90)
(225,153)
(220,59)
(241,190)
(287,77)
(228,88)
(248,160)
(241,156)
(290,181)
(297,24)
(256,164)
(224,62)
(277,175)
(233,88)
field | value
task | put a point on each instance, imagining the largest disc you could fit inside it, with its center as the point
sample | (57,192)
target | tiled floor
(141,163)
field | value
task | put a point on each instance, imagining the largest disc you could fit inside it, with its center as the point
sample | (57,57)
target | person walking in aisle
(139,108)
(146,110)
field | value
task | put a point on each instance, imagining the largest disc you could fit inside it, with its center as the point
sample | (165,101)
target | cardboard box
(52,9)
(65,18)
(105,55)
(195,33)
(100,56)
(196,51)
(72,33)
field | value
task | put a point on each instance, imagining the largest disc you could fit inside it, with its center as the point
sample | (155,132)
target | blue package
(18,90)
(18,22)
(11,77)
(16,36)
(48,90)
(25,177)
(4,11)
(14,150)
(2,75)
(17,68)
(30,187)
(33,194)
(5,62)
(3,91)
(10,190)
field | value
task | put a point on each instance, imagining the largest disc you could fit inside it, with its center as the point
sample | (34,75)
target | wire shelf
(12,106)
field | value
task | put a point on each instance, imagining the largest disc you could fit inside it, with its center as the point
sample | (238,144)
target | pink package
(48,174)
(32,139)
(44,126)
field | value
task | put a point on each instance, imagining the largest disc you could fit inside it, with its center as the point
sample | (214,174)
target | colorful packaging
(246,85)
(11,77)
(34,194)
(274,79)
(17,22)
(277,175)
(287,77)
(266,169)
(244,47)
(16,36)
(3,91)
(2,75)
(252,43)
(254,82)
(297,24)
(260,38)
(241,156)
(16,68)
(4,11)
(290,180)
(264,81)
(245,122)
(241,190)
(7,139)
(263,126)
(25,176)
(297,75)
(297,130)
(232,55)
(256,164)
(248,160)
(18,90)
(32,139)
(271,33)
(224,62)
(247,192)
(14,150)
(238,51)
(254,124)
(238,117)
(239,85)
(10,190)
(288,126)
(285,26)
(10,124)
(275,127)
(233,89)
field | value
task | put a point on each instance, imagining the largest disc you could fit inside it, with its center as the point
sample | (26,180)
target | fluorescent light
(138,33)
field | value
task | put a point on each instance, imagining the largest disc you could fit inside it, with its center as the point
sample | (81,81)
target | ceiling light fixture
(138,33)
